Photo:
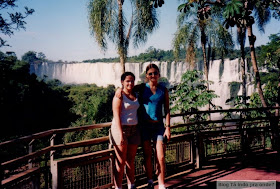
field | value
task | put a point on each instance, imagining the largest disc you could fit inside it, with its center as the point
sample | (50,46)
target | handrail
(82,128)
(27,138)
(20,176)
(108,124)
(82,157)
(221,121)
(55,147)
(52,132)
(227,110)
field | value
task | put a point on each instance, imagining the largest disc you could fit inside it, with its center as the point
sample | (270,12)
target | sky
(60,29)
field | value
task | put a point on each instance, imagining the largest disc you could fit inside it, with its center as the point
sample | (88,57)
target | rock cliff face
(222,74)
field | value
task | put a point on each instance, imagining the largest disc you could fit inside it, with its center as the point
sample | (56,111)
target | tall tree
(194,22)
(186,38)
(13,21)
(263,14)
(107,21)
(231,14)
(243,18)
(201,18)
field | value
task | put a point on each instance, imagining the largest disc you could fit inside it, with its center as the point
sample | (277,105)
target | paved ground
(254,167)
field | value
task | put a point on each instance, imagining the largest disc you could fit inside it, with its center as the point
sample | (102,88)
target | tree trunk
(122,62)
(121,45)
(278,92)
(205,62)
(276,127)
(252,40)
(241,36)
(273,120)
(203,45)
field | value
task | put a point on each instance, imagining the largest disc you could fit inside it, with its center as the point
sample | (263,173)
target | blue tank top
(153,103)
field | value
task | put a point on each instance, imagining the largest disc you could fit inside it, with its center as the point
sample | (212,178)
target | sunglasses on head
(151,73)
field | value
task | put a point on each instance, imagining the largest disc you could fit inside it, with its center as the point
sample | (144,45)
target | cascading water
(222,74)
(103,74)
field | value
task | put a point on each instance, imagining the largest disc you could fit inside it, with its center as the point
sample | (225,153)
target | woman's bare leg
(148,159)
(130,167)
(120,151)
(160,160)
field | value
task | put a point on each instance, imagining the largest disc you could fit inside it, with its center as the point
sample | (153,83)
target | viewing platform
(200,153)
(258,167)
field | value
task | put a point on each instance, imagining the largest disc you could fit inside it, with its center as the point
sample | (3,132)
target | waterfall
(222,79)
(104,74)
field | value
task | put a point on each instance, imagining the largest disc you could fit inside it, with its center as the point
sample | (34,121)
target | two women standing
(152,97)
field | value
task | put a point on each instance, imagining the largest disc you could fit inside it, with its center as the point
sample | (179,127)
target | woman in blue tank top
(154,97)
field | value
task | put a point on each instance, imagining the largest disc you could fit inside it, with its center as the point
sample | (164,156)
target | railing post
(53,165)
(264,140)
(274,121)
(1,173)
(199,150)
(46,172)
(192,148)
(35,182)
(242,135)
(52,144)
(30,150)
(196,152)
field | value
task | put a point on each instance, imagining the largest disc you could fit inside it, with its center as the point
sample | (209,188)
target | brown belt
(152,121)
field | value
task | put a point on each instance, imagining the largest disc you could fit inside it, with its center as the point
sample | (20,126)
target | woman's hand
(118,93)
(122,140)
(167,133)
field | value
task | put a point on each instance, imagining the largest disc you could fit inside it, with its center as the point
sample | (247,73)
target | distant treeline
(153,54)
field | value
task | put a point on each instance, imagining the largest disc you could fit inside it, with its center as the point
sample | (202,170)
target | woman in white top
(124,135)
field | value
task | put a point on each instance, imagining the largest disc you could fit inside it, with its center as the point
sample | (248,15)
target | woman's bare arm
(167,132)
(117,113)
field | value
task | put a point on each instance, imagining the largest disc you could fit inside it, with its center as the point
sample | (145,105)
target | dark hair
(150,66)
(127,74)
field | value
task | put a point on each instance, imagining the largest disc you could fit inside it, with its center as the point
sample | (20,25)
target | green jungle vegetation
(30,104)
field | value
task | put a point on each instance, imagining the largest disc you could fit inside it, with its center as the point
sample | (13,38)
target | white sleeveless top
(129,109)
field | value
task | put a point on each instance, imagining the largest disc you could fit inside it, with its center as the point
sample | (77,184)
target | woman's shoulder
(119,93)
(139,88)
(162,87)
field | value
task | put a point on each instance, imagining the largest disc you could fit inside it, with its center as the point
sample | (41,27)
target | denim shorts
(152,131)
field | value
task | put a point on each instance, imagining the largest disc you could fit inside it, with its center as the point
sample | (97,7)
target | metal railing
(43,167)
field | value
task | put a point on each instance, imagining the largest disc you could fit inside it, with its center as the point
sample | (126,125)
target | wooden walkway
(255,167)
